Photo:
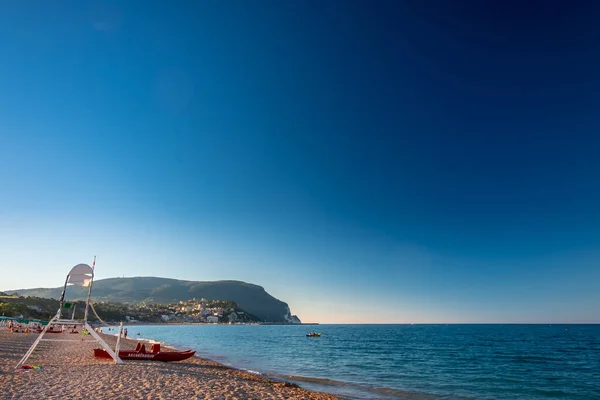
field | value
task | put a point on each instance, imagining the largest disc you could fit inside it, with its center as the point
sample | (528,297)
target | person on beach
(125,333)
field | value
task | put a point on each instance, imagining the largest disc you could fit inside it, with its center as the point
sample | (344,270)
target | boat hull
(165,356)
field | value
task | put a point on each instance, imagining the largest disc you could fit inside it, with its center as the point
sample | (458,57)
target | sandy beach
(70,371)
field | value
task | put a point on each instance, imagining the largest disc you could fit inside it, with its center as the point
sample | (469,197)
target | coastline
(109,337)
(334,387)
(69,370)
(210,323)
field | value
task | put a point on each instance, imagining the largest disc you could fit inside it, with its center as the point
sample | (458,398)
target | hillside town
(192,311)
(189,311)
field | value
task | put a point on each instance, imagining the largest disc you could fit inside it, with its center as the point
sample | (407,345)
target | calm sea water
(408,361)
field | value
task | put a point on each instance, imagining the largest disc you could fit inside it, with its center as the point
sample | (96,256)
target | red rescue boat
(140,354)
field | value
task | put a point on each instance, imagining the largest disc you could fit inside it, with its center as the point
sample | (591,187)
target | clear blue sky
(406,162)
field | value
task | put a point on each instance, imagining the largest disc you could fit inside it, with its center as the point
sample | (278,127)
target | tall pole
(62,297)
(118,347)
(87,303)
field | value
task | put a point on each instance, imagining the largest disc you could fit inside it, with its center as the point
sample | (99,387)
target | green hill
(251,298)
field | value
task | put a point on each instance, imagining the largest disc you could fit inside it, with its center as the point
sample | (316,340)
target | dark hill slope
(251,298)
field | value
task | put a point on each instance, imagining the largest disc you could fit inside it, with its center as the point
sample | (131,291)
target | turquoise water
(528,362)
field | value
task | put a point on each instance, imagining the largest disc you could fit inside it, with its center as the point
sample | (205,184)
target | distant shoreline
(366,323)
(116,324)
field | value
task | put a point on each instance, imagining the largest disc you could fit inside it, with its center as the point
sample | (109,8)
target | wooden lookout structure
(80,275)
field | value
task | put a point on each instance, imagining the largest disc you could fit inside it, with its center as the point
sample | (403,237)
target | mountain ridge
(248,296)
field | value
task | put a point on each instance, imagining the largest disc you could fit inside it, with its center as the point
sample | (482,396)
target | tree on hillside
(13,309)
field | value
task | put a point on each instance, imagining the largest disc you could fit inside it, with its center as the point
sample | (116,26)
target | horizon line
(452,323)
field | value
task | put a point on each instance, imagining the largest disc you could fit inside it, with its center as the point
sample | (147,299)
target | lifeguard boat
(140,354)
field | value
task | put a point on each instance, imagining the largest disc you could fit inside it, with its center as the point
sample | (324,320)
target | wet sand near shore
(70,371)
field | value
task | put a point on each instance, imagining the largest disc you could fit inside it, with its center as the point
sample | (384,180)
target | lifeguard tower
(80,275)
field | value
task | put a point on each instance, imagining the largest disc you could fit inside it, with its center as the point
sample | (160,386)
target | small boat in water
(140,354)
(313,334)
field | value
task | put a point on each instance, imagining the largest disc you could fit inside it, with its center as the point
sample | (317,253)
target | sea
(526,362)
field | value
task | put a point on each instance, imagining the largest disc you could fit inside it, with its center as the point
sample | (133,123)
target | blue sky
(409,162)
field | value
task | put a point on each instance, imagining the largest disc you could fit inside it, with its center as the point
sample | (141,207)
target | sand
(70,371)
